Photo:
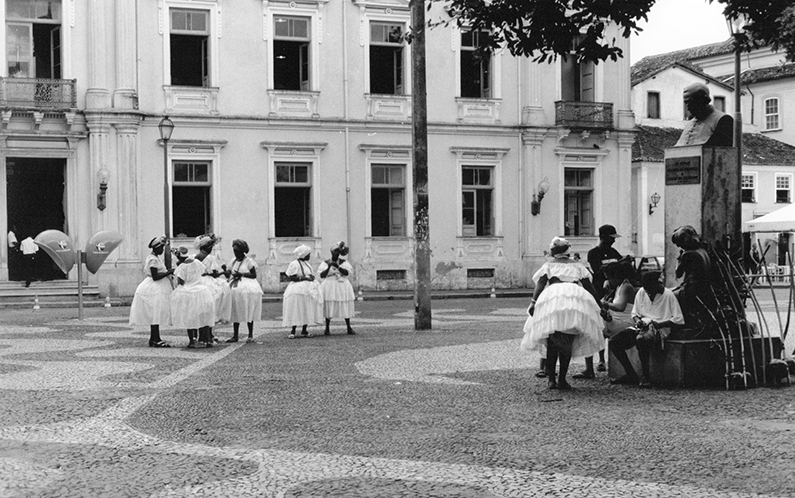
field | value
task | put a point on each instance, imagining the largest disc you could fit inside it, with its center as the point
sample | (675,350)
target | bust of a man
(708,125)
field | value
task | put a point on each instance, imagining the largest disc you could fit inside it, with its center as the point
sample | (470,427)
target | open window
(293,199)
(189,44)
(291,53)
(388,200)
(387,58)
(33,38)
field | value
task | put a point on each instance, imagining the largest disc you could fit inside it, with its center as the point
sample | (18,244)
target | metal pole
(422,250)
(79,284)
(737,236)
(166,206)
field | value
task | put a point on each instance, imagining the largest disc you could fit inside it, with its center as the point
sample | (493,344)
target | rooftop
(758,149)
(653,64)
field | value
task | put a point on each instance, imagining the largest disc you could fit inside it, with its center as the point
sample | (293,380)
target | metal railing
(584,115)
(38,93)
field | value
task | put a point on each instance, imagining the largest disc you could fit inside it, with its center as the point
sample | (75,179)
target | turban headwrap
(559,247)
(157,241)
(301,251)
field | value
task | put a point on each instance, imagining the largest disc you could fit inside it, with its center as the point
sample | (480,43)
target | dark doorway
(35,196)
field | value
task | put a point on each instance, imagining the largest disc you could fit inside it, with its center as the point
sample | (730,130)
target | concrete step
(50,294)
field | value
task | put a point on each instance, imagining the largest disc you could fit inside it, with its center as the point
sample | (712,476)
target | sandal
(250,340)
(192,345)
(291,336)
(584,375)
(159,344)
(233,339)
(541,374)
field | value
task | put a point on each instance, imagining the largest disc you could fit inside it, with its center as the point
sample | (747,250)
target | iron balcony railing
(38,93)
(584,115)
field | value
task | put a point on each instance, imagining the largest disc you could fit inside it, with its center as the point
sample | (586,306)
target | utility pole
(422,249)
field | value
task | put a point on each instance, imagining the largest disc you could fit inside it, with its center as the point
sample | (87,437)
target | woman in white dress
(245,291)
(214,279)
(565,316)
(303,299)
(152,301)
(192,302)
(338,295)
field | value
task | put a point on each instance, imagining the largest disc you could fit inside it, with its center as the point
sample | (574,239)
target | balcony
(584,115)
(38,93)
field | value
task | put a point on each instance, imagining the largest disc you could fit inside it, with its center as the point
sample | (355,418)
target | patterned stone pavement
(81,400)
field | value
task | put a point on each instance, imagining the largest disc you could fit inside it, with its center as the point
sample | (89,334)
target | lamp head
(166,128)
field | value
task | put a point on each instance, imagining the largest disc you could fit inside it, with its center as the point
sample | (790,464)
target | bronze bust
(708,125)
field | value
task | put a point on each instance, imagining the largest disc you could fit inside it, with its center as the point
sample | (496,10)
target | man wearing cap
(598,258)
(708,126)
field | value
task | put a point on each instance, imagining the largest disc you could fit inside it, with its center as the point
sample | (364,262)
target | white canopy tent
(781,220)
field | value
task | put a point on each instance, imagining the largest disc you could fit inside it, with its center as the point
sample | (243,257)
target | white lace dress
(152,300)
(192,303)
(566,307)
(303,301)
(245,293)
(338,295)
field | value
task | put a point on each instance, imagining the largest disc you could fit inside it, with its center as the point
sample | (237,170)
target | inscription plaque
(683,170)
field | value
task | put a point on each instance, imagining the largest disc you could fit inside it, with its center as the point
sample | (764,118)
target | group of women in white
(206,292)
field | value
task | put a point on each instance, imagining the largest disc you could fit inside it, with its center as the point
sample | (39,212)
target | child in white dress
(192,302)
(245,291)
(338,295)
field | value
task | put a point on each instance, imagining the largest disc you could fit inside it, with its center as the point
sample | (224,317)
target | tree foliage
(546,29)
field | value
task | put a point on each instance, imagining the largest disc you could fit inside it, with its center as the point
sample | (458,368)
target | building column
(98,160)
(97,95)
(533,141)
(623,90)
(125,95)
(125,193)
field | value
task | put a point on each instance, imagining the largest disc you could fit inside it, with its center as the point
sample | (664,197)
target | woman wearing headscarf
(192,302)
(338,295)
(152,301)
(244,290)
(215,280)
(565,315)
(303,299)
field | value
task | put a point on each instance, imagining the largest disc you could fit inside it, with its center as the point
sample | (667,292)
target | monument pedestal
(702,189)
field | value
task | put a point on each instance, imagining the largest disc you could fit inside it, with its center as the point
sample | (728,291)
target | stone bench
(696,362)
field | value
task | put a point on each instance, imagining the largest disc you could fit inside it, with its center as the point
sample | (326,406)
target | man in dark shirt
(598,258)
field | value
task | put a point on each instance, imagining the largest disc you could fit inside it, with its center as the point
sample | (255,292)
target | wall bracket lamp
(103,176)
(655,198)
(535,204)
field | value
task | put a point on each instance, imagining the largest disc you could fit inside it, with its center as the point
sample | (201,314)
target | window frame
(592,189)
(309,226)
(480,157)
(492,63)
(652,110)
(752,177)
(391,16)
(766,115)
(722,99)
(64,23)
(315,35)
(213,10)
(471,230)
(390,187)
(788,189)
(198,184)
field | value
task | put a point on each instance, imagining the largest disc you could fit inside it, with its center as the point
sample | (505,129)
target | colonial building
(767,83)
(293,126)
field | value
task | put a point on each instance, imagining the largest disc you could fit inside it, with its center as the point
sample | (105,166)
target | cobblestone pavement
(88,410)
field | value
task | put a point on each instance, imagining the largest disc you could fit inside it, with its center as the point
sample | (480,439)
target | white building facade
(293,126)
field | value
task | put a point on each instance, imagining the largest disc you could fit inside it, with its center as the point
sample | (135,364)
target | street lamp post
(166,128)
(736,26)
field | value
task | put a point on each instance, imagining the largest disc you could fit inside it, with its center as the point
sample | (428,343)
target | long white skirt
(192,307)
(221,296)
(246,301)
(152,303)
(302,304)
(338,298)
(568,308)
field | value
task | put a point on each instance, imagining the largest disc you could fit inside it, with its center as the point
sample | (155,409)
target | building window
(475,66)
(292,200)
(388,200)
(748,188)
(653,105)
(578,202)
(477,211)
(771,114)
(190,54)
(191,198)
(783,185)
(719,103)
(386,58)
(33,38)
(291,40)
(577,78)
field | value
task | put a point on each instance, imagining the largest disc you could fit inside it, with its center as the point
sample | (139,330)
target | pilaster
(126,188)
(125,96)
(97,95)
